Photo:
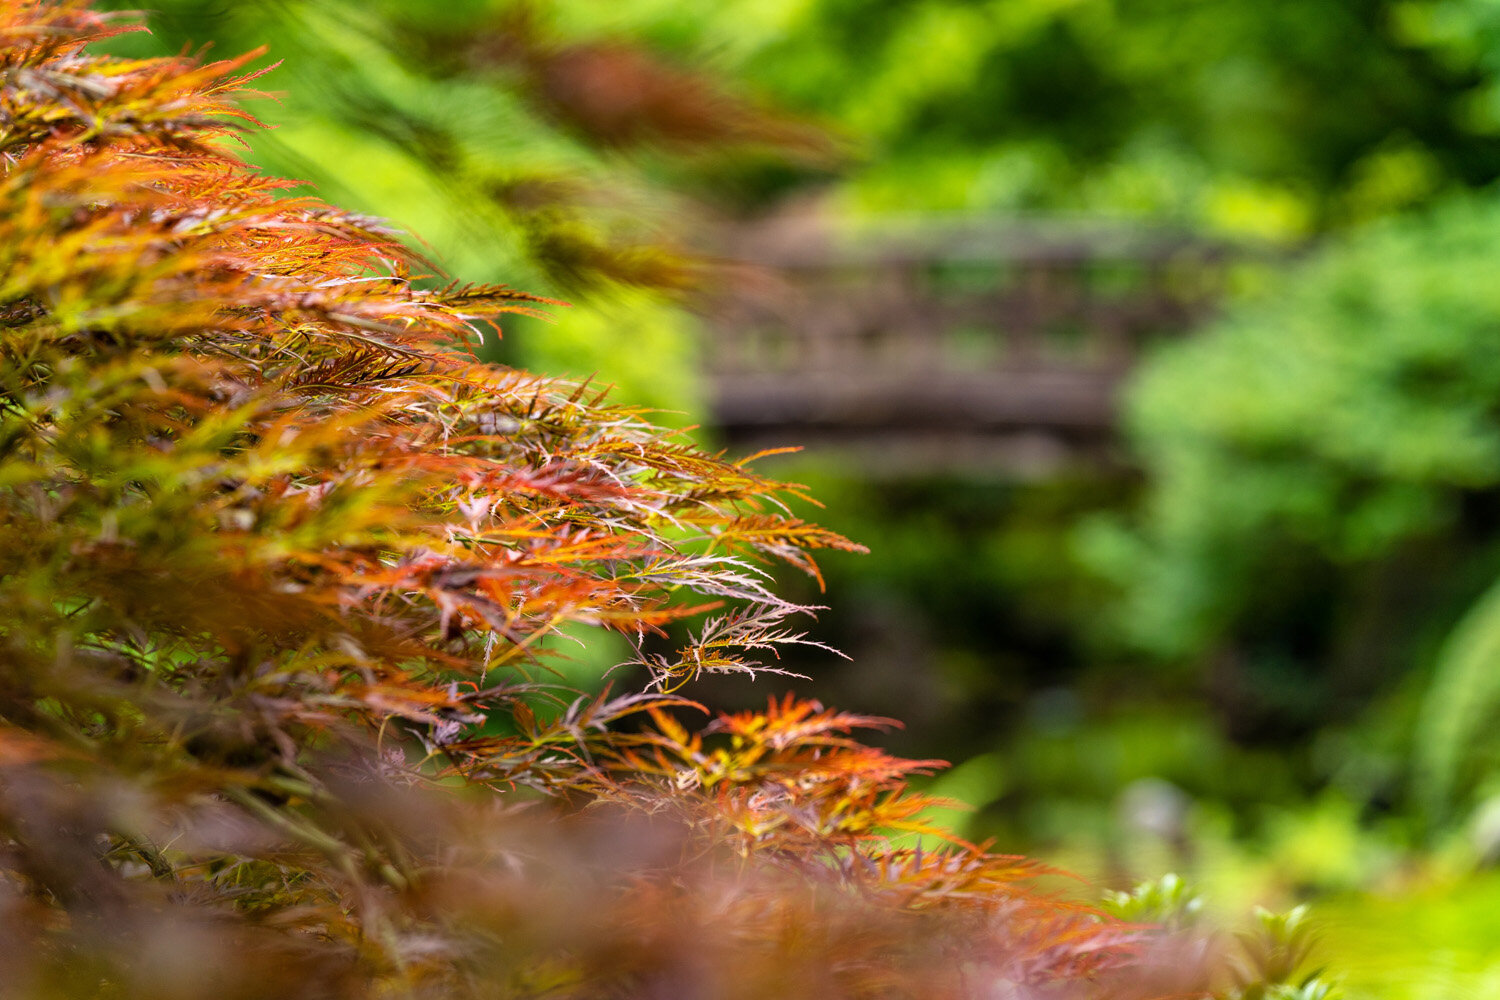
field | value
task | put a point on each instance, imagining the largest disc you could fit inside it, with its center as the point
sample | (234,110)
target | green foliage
(1322,465)
(1430,937)
(1169,901)
(1454,744)
(1271,117)
(1340,415)
(1273,955)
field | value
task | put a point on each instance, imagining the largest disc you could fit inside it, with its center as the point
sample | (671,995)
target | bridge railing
(934,338)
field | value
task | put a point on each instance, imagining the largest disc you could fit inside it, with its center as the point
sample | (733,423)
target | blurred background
(1152,346)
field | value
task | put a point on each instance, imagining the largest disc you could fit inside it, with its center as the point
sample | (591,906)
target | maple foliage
(279,564)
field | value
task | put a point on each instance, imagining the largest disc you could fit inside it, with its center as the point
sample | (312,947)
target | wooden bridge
(920,346)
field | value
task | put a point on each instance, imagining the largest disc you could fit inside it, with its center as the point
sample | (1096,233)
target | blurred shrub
(1273,956)
(1269,117)
(1169,901)
(1321,466)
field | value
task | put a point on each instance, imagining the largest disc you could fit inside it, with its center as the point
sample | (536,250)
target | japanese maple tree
(280,567)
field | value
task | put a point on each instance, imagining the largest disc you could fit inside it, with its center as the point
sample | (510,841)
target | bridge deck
(920,344)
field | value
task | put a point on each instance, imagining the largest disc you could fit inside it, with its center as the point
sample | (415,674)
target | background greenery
(1264,651)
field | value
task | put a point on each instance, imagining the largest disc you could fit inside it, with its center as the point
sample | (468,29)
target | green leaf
(1464,695)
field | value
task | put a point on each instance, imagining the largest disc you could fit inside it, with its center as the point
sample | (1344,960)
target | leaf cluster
(1272,958)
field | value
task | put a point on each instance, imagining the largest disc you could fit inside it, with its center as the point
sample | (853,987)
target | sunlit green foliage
(1430,938)
(1169,902)
(1270,117)
(1273,957)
